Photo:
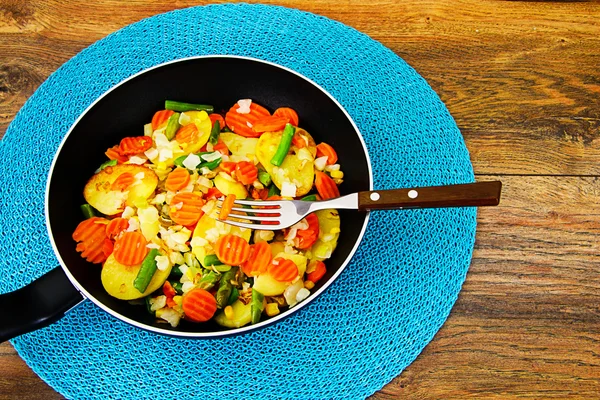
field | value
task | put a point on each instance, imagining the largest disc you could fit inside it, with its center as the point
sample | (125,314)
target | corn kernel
(309,285)
(228,312)
(178,299)
(272,309)
(337,174)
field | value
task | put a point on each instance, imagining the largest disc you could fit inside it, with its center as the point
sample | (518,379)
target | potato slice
(117,279)
(241,316)
(329,233)
(268,286)
(239,145)
(292,170)
(97,192)
(227,185)
(312,145)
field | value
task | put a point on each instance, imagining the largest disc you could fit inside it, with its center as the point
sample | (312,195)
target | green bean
(182,107)
(214,133)
(208,281)
(256,305)
(148,305)
(172,126)
(146,272)
(211,259)
(225,287)
(235,294)
(284,145)
(176,272)
(310,197)
(210,164)
(109,163)
(274,190)
(264,178)
(178,286)
(221,268)
(88,211)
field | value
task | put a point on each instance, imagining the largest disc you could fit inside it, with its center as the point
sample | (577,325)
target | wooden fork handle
(465,195)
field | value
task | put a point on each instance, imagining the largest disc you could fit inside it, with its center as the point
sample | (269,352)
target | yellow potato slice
(293,169)
(241,316)
(97,192)
(117,279)
(239,145)
(228,186)
(329,233)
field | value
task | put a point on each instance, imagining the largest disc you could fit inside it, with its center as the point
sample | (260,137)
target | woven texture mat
(363,331)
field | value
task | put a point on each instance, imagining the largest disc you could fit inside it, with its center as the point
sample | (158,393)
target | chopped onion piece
(137,160)
(162,262)
(288,189)
(244,106)
(320,163)
(211,156)
(191,161)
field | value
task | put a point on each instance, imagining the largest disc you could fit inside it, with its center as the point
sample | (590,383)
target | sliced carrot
(160,118)
(283,270)
(298,141)
(168,289)
(177,179)
(246,172)
(232,249)
(323,149)
(221,147)
(242,123)
(217,117)
(115,154)
(308,237)
(271,123)
(259,194)
(186,208)
(315,271)
(213,193)
(226,207)
(171,303)
(134,145)
(326,186)
(107,247)
(130,248)
(187,134)
(289,114)
(116,226)
(90,235)
(259,259)
(123,181)
(199,305)
(227,166)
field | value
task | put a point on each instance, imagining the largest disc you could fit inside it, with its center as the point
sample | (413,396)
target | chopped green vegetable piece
(178,286)
(109,163)
(146,271)
(235,293)
(176,272)
(148,305)
(172,126)
(211,259)
(256,305)
(214,133)
(209,280)
(284,145)
(264,178)
(88,211)
(274,190)
(225,287)
(210,164)
(221,268)
(310,197)
(182,107)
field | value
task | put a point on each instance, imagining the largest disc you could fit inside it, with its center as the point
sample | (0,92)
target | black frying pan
(121,112)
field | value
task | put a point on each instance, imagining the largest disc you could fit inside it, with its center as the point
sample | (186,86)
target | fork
(282,214)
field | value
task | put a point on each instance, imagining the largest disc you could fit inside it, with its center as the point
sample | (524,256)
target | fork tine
(256,203)
(254,210)
(253,218)
(253,226)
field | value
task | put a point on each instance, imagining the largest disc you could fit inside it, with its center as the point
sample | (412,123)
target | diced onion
(244,106)
(320,163)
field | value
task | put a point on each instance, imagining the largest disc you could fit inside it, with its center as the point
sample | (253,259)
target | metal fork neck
(348,202)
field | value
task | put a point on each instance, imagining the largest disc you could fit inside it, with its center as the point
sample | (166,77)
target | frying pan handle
(37,305)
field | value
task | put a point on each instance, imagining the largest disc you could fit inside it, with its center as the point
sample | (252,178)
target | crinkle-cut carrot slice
(242,123)
(259,259)
(323,149)
(283,269)
(116,226)
(289,113)
(186,208)
(134,145)
(232,249)
(307,237)
(246,172)
(90,237)
(177,179)
(115,154)
(130,248)
(160,118)
(187,134)
(123,181)
(226,207)
(198,305)
(271,123)
(315,271)
(326,186)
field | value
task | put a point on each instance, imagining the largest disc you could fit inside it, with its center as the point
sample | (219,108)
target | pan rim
(229,332)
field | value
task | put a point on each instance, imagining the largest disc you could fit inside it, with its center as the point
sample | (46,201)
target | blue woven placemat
(357,336)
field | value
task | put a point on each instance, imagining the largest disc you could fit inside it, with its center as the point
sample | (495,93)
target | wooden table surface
(522,80)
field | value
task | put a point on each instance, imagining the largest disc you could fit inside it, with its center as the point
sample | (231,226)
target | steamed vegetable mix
(154,211)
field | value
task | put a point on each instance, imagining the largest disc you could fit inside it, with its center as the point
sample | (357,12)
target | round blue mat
(358,335)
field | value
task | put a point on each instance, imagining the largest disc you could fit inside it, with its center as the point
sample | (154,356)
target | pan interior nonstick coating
(220,81)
